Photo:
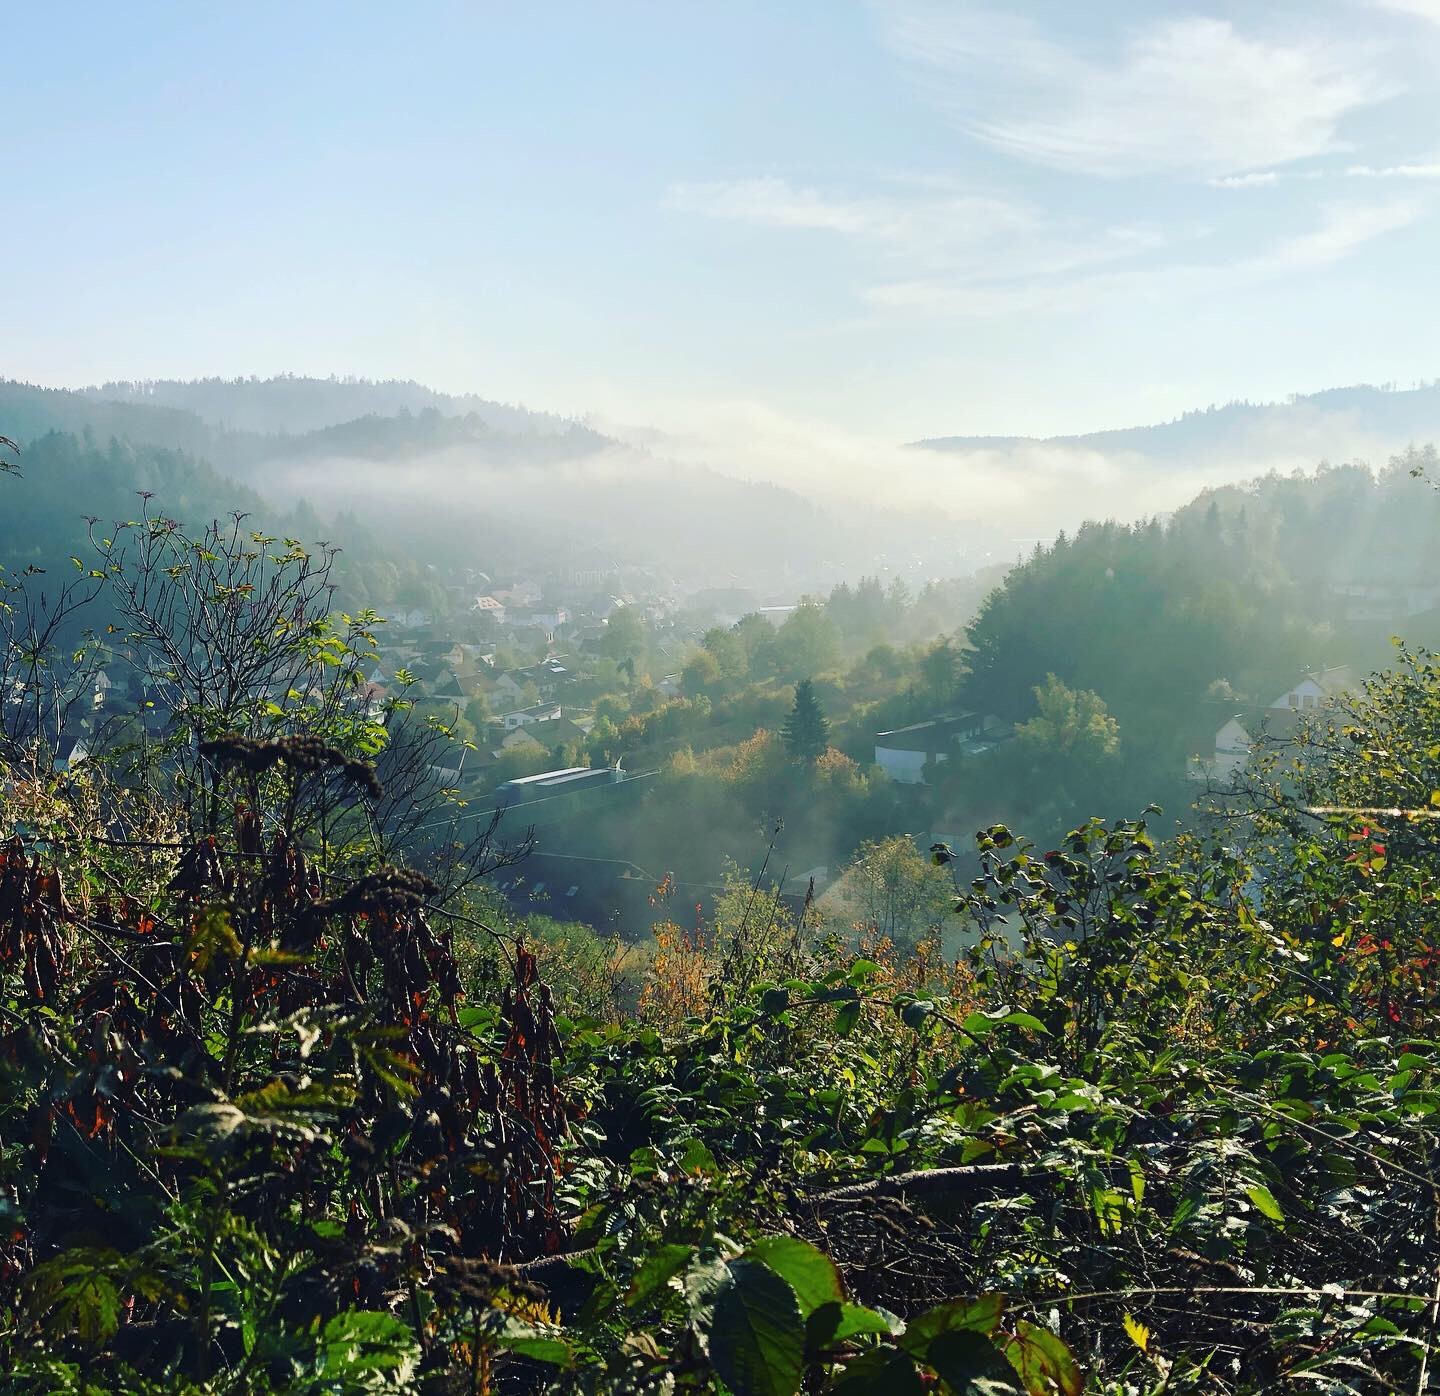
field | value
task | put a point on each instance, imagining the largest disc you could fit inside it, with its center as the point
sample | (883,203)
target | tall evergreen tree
(806,730)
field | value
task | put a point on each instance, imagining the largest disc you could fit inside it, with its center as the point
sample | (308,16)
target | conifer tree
(806,730)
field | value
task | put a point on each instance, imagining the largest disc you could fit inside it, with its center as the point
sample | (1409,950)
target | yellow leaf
(1139,1334)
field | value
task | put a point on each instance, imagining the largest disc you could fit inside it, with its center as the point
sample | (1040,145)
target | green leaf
(861,970)
(774,1001)
(1046,1365)
(1026,1020)
(696,1158)
(1264,1201)
(969,1363)
(659,1267)
(809,1272)
(915,1013)
(532,1341)
(757,1335)
(957,1316)
(361,1342)
(846,1017)
(702,1285)
(880,1372)
(835,1321)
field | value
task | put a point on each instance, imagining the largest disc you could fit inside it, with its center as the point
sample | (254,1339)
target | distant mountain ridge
(297,404)
(1361,412)
(463,481)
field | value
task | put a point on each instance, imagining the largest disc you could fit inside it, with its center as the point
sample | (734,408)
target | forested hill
(1175,626)
(67,480)
(287,403)
(1243,586)
(236,424)
(30,412)
(466,482)
(1340,420)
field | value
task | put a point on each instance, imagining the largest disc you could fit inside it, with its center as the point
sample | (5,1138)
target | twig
(923,1180)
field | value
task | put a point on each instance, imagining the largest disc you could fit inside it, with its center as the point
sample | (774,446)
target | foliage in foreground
(1170,1124)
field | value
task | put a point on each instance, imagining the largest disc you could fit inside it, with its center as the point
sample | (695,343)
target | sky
(827,224)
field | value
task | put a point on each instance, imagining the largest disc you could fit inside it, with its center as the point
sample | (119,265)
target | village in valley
(567,698)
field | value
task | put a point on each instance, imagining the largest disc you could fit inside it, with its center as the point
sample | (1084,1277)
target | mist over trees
(450,479)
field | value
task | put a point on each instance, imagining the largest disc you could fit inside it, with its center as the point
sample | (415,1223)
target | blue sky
(813,222)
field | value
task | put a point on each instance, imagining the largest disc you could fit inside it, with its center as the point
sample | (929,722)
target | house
(539,712)
(1235,740)
(450,762)
(506,689)
(815,879)
(547,676)
(448,685)
(489,606)
(1315,688)
(518,737)
(523,789)
(476,686)
(73,747)
(903,752)
(1233,743)
(474,658)
(557,731)
(369,700)
(522,592)
(529,736)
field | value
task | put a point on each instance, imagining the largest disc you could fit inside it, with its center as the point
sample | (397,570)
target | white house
(1233,744)
(1315,688)
(1235,741)
(902,752)
(523,717)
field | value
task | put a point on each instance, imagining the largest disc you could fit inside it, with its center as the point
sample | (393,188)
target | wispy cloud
(1186,96)
(1427,170)
(927,227)
(932,222)
(1256,179)
(1420,9)
(1343,229)
(949,254)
